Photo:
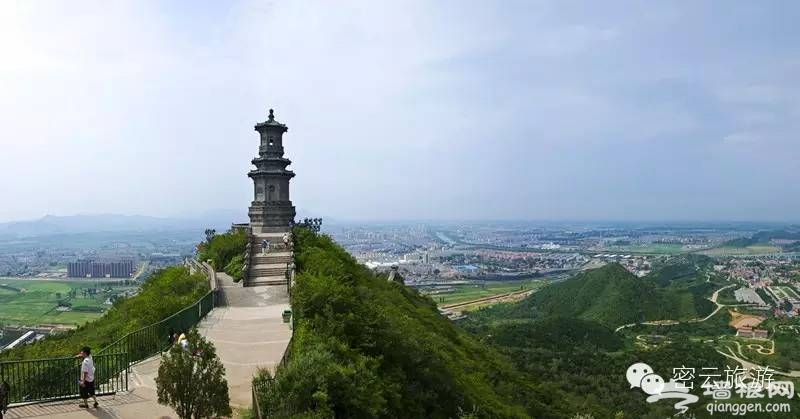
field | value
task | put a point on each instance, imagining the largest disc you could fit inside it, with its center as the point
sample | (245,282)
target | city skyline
(419,111)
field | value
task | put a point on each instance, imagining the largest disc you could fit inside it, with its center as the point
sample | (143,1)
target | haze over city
(412,110)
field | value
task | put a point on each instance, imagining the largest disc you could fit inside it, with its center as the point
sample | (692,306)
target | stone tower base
(272,217)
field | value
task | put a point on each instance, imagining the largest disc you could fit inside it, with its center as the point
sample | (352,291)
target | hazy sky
(404,109)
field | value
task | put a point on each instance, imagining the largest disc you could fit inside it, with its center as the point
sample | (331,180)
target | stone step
(266,280)
(255,273)
(272,252)
(256,251)
(274,247)
(270,259)
(268,266)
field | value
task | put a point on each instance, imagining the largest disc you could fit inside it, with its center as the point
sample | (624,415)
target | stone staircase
(268,268)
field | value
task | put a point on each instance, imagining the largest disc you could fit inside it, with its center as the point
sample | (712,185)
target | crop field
(784,293)
(461,293)
(790,293)
(32,302)
(742,251)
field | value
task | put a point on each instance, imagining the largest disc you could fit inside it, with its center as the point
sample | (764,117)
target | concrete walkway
(140,402)
(248,332)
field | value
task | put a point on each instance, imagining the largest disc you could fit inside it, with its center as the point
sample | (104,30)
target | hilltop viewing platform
(248,331)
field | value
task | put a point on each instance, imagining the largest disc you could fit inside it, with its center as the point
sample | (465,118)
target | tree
(210,233)
(193,382)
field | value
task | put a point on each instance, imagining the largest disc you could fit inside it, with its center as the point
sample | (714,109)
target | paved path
(136,404)
(140,402)
(248,332)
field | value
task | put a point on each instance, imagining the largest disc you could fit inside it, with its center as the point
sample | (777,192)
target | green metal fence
(57,378)
(261,385)
(150,340)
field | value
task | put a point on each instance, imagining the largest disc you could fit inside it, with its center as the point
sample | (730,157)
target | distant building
(79,269)
(89,269)
(467,269)
(749,332)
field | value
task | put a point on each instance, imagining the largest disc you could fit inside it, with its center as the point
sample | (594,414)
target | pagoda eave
(280,127)
(282,173)
(271,159)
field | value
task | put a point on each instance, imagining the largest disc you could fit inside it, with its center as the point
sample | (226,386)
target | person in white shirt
(183,342)
(87,377)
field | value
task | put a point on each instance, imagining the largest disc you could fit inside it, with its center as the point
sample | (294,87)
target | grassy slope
(612,296)
(364,347)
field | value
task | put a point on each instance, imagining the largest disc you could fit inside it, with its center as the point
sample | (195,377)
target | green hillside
(366,347)
(612,296)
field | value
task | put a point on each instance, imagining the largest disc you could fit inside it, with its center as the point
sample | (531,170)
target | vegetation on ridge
(366,347)
(193,381)
(613,296)
(226,251)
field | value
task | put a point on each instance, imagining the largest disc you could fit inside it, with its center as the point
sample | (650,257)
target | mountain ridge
(599,294)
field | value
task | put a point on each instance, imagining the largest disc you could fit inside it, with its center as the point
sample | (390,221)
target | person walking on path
(87,377)
(264,246)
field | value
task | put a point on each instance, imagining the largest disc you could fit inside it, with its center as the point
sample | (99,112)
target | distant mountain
(76,224)
(612,296)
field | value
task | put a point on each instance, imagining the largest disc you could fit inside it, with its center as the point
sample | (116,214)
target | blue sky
(405,110)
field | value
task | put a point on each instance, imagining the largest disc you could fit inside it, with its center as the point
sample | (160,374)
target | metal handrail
(57,378)
(198,304)
(256,407)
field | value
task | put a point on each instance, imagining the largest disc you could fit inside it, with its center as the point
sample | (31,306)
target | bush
(226,252)
(235,268)
(193,382)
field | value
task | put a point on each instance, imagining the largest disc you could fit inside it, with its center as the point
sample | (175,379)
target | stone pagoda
(271,210)
(268,257)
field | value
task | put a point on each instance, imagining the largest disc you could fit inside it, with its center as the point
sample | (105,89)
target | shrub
(193,382)
(226,252)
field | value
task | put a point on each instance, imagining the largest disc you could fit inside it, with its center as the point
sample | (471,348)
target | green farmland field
(470,292)
(659,248)
(742,251)
(32,302)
